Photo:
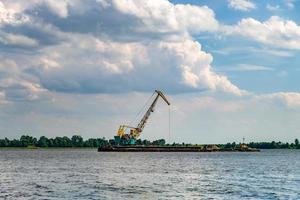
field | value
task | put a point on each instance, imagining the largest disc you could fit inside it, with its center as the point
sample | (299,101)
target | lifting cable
(169,124)
(135,118)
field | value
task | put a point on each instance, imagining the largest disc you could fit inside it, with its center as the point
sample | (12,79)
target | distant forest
(266,145)
(78,141)
(74,141)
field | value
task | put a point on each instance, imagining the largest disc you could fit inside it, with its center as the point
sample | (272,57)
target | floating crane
(124,138)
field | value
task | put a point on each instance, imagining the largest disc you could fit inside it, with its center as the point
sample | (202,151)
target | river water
(87,174)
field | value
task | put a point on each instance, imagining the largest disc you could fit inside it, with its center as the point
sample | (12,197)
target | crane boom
(143,121)
(135,132)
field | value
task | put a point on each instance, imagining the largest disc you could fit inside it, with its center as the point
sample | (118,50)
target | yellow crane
(125,138)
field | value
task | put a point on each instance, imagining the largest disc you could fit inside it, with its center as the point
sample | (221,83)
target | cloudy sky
(230,68)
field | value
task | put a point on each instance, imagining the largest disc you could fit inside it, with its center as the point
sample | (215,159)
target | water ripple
(76,174)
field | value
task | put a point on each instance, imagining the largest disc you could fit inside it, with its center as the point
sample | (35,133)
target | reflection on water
(82,174)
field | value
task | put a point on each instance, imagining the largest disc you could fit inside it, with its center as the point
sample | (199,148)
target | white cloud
(11,16)
(249,67)
(244,5)
(274,52)
(289,3)
(101,60)
(273,7)
(15,85)
(148,17)
(16,90)
(196,19)
(107,66)
(60,8)
(16,39)
(275,32)
(289,99)
(158,18)
(138,46)
(263,50)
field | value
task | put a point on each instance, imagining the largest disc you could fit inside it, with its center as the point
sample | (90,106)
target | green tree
(15,143)
(297,143)
(233,145)
(77,141)
(273,145)
(159,142)
(27,140)
(43,142)
(91,142)
(102,142)
(139,142)
(4,142)
(59,142)
(146,142)
(66,141)
(51,142)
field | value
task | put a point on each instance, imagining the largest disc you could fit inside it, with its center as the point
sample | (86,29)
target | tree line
(43,141)
(267,145)
(74,141)
(78,141)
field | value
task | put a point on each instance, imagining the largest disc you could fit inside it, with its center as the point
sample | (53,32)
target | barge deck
(135,148)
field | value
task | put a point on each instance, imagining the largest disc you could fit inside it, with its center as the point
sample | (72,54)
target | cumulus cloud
(163,16)
(14,86)
(10,39)
(10,16)
(110,67)
(112,46)
(60,8)
(275,31)
(116,46)
(20,91)
(132,20)
(244,5)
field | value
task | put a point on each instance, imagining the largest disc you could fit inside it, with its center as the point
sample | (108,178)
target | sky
(230,68)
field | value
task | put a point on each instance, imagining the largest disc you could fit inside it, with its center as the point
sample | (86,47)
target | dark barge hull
(169,149)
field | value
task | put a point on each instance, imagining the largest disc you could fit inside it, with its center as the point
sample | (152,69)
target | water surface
(87,174)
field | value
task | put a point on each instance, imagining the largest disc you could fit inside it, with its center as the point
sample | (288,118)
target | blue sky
(281,72)
(230,68)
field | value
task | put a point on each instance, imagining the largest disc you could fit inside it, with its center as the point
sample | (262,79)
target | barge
(205,148)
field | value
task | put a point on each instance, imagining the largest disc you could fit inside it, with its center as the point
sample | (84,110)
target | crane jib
(136,131)
(162,96)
